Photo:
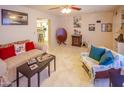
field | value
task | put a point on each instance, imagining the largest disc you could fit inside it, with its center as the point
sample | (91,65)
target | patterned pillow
(19,48)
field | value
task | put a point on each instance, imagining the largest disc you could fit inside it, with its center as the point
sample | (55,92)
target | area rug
(69,71)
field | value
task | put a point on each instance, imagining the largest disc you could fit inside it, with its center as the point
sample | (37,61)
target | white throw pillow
(19,48)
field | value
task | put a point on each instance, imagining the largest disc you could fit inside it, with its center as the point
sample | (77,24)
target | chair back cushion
(96,53)
(107,58)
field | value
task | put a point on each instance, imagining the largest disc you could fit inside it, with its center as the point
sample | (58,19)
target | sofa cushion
(107,58)
(96,53)
(29,46)
(22,58)
(2,67)
(7,52)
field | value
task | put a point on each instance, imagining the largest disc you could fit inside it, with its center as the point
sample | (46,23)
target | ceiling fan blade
(54,8)
(75,8)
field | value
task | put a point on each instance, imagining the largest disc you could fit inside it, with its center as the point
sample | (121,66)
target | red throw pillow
(7,52)
(29,46)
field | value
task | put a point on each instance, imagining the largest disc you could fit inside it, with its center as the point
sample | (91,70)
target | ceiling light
(63,10)
(66,10)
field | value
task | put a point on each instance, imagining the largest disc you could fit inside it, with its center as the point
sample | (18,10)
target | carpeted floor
(69,71)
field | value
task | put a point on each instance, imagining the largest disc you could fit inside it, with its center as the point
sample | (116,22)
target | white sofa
(13,62)
(94,67)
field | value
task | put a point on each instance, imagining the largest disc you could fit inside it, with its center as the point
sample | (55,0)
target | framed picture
(122,19)
(77,21)
(10,17)
(106,27)
(91,27)
(98,21)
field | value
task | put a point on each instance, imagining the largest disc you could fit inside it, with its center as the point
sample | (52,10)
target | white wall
(12,33)
(96,37)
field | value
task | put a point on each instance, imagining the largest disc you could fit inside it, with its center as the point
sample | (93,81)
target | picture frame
(91,27)
(98,21)
(106,27)
(77,21)
(122,19)
(10,17)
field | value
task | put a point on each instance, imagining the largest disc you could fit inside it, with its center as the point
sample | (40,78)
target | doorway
(43,31)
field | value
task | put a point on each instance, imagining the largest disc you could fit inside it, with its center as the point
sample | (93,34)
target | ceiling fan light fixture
(66,10)
(63,10)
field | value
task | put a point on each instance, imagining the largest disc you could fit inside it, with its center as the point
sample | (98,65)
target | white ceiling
(85,8)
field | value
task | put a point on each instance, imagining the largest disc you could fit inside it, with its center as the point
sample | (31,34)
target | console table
(27,72)
(77,40)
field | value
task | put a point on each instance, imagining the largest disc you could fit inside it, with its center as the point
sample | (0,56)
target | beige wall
(15,32)
(12,33)
(93,37)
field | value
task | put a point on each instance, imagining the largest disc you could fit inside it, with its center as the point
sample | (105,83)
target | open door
(43,31)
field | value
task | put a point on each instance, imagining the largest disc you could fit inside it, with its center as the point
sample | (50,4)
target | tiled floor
(69,70)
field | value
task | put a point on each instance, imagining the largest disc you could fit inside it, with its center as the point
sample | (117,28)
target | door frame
(49,30)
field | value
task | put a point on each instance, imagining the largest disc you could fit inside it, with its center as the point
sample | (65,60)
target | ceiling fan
(66,8)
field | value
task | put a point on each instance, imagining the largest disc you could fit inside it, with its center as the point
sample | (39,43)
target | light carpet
(69,71)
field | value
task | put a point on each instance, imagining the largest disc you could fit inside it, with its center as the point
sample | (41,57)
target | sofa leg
(86,69)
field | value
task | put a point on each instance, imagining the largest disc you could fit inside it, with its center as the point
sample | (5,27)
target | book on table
(43,58)
(34,66)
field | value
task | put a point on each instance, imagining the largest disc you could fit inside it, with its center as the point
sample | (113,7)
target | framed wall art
(10,17)
(77,21)
(122,19)
(106,27)
(91,27)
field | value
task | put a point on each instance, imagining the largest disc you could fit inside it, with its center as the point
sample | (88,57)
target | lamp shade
(3,67)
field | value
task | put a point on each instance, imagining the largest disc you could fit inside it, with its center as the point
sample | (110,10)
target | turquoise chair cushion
(96,53)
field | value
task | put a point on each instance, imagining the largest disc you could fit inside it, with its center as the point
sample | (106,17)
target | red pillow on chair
(7,52)
(29,46)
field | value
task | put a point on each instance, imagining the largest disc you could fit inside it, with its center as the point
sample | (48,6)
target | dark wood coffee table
(27,72)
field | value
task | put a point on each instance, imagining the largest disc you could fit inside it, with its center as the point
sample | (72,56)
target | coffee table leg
(54,63)
(49,69)
(29,82)
(38,79)
(17,73)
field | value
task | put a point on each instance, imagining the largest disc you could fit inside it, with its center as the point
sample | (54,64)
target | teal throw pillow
(107,58)
(96,53)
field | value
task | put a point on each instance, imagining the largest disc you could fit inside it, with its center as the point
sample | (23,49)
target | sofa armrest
(84,54)
(41,47)
(38,46)
(99,68)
